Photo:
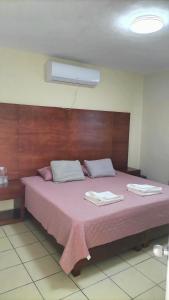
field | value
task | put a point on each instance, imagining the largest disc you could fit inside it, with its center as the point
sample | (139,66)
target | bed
(33,136)
(80,226)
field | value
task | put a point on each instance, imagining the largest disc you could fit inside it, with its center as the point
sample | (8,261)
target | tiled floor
(29,270)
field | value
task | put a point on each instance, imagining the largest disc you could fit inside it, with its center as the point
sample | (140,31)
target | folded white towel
(102,195)
(102,198)
(144,189)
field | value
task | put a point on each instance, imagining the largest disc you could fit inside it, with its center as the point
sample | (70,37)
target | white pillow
(100,167)
(66,170)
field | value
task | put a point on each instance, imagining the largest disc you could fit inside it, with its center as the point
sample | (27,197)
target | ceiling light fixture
(146,24)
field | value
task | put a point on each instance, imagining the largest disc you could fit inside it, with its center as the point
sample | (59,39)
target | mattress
(79,225)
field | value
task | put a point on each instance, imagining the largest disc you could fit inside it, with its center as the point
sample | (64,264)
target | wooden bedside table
(132,171)
(13,190)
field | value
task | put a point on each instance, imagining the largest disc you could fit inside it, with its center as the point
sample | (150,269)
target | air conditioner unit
(72,74)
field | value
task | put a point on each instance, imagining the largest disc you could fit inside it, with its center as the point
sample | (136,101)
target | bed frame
(136,242)
(32,136)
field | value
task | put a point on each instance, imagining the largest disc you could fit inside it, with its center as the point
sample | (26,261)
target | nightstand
(132,171)
(13,190)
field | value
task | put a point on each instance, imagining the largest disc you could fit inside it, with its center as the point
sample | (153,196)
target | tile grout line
(145,275)
(160,261)
(34,282)
(128,267)
(135,263)
(18,233)
(120,288)
(42,277)
(146,291)
(87,285)
(74,294)
(15,288)
(164,289)
(103,280)
(11,266)
(138,294)
(51,276)
(85,295)
(28,244)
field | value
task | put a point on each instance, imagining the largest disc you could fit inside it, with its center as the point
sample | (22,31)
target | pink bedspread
(79,225)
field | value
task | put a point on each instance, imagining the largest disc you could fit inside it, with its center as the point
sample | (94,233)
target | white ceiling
(88,31)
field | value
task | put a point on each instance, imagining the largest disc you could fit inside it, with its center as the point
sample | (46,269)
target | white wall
(22,81)
(155,127)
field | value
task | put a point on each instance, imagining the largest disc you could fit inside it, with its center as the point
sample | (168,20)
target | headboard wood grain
(32,136)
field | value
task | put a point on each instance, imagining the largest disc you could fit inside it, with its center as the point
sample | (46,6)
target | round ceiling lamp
(146,24)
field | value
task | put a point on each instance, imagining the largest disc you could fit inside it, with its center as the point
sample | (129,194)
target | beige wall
(155,128)
(22,81)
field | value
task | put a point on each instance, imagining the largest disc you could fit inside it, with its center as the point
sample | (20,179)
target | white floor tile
(56,286)
(2,233)
(132,281)
(5,244)
(15,228)
(153,269)
(163,285)
(134,257)
(13,277)
(113,265)
(89,275)
(154,294)
(42,267)
(105,290)
(8,259)
(27,292)
(30,252)
(76,296)
(162,259)
(22,239)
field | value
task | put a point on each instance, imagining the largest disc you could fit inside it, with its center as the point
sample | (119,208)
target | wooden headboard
(32,136)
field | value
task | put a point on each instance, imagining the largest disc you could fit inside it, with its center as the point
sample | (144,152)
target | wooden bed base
(136,242)
(99,253)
